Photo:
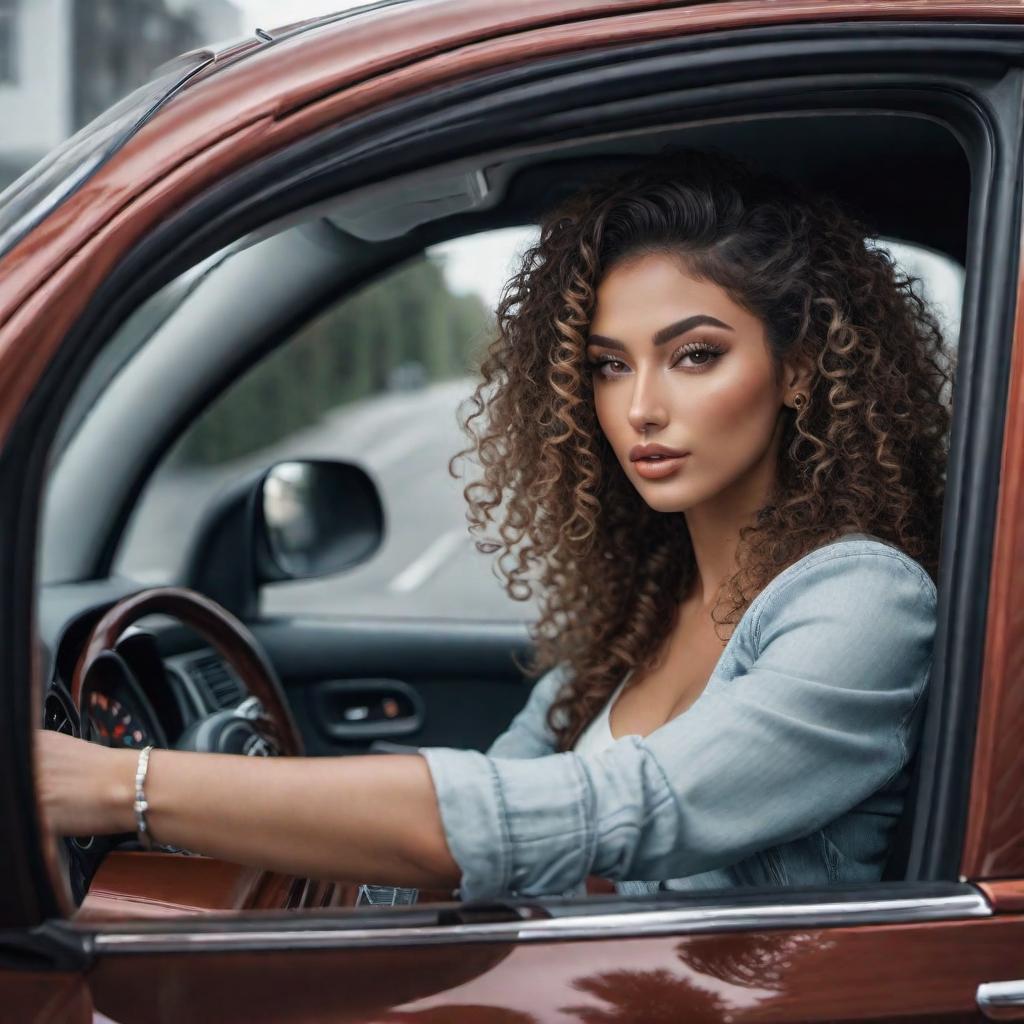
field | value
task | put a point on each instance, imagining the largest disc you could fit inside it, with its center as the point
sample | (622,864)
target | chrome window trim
(594,926)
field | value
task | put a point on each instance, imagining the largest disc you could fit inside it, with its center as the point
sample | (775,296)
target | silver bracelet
(141,805)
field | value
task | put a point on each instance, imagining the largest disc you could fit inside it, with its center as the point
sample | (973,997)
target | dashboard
(156,682)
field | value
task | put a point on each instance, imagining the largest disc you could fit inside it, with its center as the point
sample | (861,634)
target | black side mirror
(296,519)
(316,518)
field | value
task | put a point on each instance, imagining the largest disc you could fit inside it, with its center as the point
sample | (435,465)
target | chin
(664,499)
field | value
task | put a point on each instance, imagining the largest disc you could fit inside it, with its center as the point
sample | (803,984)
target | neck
(714,526)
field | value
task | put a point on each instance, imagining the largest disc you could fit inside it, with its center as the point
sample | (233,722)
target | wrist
(119,791)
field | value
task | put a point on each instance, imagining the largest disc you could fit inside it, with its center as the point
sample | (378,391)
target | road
(427,565)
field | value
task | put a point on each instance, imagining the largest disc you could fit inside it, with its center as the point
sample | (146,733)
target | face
(677,365)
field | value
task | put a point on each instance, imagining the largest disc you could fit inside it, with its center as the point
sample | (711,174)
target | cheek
(610,417)
(739,405)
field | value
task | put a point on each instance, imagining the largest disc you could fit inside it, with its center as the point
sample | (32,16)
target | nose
(647,407)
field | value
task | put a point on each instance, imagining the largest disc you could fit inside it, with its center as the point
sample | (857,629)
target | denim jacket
(789,768)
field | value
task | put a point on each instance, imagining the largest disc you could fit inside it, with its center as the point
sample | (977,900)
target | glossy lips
(654,461)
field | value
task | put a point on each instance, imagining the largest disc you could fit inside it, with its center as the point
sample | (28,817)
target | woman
(712,415)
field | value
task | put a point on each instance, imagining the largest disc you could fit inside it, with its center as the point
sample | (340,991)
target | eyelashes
(706,349)
(707,352)
(602,366)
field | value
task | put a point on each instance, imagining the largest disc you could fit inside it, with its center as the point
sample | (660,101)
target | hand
(84,789)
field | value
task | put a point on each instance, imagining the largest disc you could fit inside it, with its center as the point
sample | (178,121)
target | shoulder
(859,575)
(546,691)
(553,679)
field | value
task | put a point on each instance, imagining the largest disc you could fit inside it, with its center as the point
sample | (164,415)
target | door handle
(1001,1000)
(362,710)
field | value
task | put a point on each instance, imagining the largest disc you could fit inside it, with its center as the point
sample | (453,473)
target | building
(36,74)
(63,62)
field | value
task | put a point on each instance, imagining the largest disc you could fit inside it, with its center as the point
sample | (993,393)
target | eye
(607,366)
(704,354)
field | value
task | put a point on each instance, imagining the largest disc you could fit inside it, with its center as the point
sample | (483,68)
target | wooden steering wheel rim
(220,629)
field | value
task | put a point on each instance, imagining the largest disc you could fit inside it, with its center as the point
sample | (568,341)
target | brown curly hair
(866,452)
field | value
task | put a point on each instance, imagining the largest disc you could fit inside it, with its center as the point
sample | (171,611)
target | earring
(799,400)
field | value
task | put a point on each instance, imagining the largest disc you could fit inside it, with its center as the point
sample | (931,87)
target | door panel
(926,972)
(463,676)
(45,997)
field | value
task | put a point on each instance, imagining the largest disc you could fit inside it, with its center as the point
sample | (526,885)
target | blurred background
(63,62)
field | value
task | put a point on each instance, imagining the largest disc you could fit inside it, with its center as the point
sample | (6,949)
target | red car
(246,198)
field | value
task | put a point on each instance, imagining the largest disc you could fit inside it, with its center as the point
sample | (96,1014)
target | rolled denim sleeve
(811,716)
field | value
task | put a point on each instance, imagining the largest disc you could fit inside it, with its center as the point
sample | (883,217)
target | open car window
(376,335)
(920,133)
(377,378)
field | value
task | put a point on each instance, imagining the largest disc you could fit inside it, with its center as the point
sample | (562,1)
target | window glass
(377,380)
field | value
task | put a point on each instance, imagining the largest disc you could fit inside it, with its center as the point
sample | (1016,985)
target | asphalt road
(427,565)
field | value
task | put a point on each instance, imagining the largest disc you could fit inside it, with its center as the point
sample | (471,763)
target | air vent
(213,677)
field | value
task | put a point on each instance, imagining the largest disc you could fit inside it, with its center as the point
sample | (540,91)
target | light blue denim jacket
(788,769)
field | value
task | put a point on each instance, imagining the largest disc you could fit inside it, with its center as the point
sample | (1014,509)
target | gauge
(118,713)
(115,723)
(139,649)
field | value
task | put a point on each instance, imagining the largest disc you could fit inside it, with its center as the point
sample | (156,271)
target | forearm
(367,819)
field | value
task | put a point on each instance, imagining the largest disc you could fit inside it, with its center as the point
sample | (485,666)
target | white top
(598,734)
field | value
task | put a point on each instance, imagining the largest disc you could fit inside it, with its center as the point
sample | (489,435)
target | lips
(656,461)
(654,453)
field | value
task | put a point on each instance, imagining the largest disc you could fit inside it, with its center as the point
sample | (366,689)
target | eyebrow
(666,333)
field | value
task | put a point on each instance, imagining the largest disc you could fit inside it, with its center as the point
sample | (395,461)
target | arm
(817,718)
(313,817)
(372,818)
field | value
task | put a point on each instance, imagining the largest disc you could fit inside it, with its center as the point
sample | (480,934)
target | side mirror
(316,518)
(294,520)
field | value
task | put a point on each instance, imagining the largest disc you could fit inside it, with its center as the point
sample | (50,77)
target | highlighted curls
(866,452)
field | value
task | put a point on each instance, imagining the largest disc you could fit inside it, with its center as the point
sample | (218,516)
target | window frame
(290,180)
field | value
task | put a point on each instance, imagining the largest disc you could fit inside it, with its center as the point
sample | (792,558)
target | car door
(917,949)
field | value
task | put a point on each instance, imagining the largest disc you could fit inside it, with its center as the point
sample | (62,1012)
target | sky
(482,263)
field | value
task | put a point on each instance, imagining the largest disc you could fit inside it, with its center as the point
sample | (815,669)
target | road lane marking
(414,575)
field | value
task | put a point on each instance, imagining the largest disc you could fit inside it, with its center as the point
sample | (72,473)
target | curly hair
(867,452)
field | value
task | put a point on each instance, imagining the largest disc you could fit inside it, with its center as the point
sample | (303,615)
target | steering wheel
(262,724)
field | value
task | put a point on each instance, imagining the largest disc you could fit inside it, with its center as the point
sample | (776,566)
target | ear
(796,377)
